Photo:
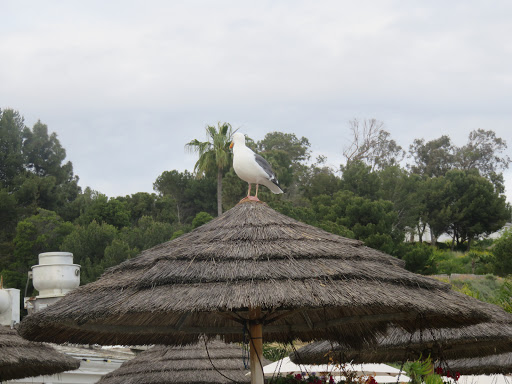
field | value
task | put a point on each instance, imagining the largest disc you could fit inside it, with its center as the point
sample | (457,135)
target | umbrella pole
(256,346)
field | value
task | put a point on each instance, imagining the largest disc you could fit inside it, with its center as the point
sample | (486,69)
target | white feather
(248,169)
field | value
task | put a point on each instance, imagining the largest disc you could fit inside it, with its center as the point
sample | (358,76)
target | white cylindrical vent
(56,258)
(5,301)
(56,274)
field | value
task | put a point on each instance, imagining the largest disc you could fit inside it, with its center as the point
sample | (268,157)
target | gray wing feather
(267,168)
(265,165)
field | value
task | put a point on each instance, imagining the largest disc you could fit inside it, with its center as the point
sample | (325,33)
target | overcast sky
(125,84)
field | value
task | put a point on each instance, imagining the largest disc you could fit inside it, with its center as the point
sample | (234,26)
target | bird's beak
(231,145)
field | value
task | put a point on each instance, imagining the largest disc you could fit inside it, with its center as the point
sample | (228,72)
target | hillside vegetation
(381,195)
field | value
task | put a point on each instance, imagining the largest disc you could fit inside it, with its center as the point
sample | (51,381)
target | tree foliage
(375,198)
(318,179)
(44,155)
(31,166)
(104,210)
(187,194)
(369,221)
(477,209)
(214,155)
(11,142)
(483,152)
(147,233)
(372,145)
(43,232)
(503,253)
(433,158)
(88,244)
(286,153)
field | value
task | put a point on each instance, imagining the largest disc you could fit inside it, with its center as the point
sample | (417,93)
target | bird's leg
(255,197)
(248,197)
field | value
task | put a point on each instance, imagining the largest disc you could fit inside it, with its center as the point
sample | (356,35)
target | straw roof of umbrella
(20,358)
(488,338)
(484,365)
(309,284)
(217,362)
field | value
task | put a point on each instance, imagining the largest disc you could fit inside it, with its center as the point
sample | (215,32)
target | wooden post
(256,346)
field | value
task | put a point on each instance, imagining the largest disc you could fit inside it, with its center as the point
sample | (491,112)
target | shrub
(418,258)
(200,219)
(503,253)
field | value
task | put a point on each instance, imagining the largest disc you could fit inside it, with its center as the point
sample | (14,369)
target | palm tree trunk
(219,192)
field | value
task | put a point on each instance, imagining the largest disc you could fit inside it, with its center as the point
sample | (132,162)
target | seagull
(251,167)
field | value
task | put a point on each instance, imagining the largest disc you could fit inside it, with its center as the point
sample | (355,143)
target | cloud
(126,84)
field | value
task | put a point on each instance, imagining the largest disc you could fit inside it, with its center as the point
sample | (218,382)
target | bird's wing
(268,170)
(265,165)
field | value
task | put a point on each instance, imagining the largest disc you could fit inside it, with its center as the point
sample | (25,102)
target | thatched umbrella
(482,339)
(485,365)
(213,363)
(21,358)
(256,271)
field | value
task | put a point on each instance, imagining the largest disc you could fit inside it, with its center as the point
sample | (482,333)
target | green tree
(44,157)
(115,253)
(300,210)
(372,222)
(418,258)
(477,208)
(43,232)
(158,207)
(11,138)
(175,184)
(502,251)
(8,218)
(105,210)
(359,179)
(31,166)
(318,179)
(438,211)
(482,152)
(189,195)
(369,221)
(88,244)
(297,150)
(405,191)
(146,233)
(76,207)
(372,145)
(433,158)
(200,219)
(44,154)
(232,188)
(166,209)
(286,154)
(33,192)
(140,204)
(214,155)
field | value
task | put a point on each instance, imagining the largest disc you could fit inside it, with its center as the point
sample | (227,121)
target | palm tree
(214,155)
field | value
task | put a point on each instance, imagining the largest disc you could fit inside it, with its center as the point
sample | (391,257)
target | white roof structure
(485,379)
(381,372)
(94,364)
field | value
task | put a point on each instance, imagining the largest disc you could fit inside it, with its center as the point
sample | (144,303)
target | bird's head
(238,138)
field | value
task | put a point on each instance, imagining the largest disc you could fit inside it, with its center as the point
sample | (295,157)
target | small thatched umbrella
(20,358)
(215,363)
(483,339)
(256,271)
(485,365)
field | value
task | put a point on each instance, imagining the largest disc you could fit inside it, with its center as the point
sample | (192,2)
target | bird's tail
(273,185)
